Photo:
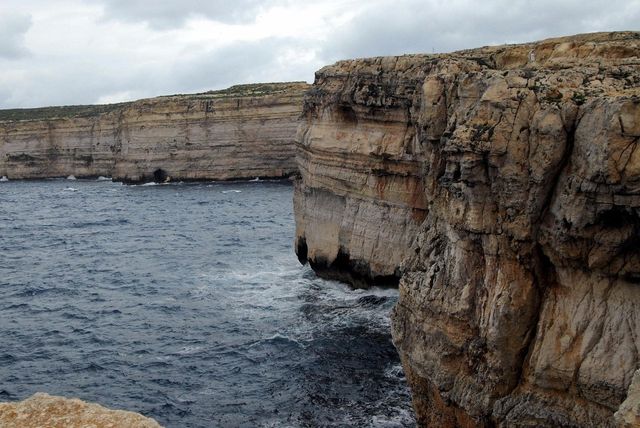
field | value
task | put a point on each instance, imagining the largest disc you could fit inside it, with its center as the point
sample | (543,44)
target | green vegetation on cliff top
(57,112)
(248,90)
(61,112)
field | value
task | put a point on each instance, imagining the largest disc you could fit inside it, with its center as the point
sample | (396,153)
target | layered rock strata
(246,131)
(43,410)
(503,185)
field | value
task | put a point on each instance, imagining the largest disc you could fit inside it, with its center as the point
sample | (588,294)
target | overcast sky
(55,52)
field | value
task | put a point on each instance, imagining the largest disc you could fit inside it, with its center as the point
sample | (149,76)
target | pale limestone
(240,133)
(46,411)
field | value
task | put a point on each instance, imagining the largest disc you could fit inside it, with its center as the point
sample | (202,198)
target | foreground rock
(503,185)
(44,411)
(245,131)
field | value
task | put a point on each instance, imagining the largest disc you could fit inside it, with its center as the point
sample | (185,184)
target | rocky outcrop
(43,410)
(246,131)
(503,185)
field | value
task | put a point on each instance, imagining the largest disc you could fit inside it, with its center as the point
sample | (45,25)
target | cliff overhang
(502,184)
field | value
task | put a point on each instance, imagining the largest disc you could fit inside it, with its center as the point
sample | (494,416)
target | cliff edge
(245,131)
(501,187)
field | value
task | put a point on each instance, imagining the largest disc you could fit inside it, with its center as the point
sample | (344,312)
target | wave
(189,350)
(276,340)
(71,177)
(4,178)
(102,178)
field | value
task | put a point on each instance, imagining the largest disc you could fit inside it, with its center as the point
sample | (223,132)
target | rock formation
(245,131)
(43,410)
(628,414)
(502,184)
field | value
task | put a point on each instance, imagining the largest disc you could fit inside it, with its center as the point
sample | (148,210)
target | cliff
(501,185)
(43,410)
(245,131)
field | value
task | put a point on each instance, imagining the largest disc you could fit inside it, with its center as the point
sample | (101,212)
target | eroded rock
(44,410)
(503,184)
(243,132)
(628,415)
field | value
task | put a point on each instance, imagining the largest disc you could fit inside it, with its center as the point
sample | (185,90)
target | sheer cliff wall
(245,131)
(501,186)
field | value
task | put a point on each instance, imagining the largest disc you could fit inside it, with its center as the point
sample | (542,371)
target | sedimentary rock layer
(43,410)
(245,131)
(507,181)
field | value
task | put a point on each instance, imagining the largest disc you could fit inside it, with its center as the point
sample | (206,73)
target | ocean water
(186,303)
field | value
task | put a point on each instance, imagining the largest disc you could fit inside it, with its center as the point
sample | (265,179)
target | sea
(185,302)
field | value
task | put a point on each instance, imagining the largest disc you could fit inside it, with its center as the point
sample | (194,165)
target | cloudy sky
(55,52)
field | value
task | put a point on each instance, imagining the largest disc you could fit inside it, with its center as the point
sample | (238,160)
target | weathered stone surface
(245,131)
(360,198)
(47,411)
(507,181)
(628,415)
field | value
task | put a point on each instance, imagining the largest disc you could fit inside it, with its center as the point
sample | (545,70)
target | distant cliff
(245,131)
(501,187)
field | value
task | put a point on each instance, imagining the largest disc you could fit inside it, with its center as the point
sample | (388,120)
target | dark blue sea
(186,303)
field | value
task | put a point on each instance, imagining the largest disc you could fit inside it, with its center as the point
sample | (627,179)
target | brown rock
(47,411)
(628,415)
(246,131)
(511,195)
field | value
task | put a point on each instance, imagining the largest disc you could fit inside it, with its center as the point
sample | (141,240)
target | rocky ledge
(501,187)
(245,131)
(43,410)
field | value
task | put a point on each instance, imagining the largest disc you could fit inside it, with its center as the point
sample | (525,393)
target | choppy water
(187,304)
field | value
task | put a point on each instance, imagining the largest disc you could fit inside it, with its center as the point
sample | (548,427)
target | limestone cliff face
(43,410)
(58,146)
(245,131)
(503,184)
(360,200)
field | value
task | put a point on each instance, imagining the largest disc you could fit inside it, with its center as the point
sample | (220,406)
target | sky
(61,52)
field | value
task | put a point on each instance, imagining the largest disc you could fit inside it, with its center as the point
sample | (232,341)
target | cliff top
(247,90)
(558,52)
(236,91)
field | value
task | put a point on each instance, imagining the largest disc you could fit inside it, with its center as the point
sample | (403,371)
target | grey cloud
(164,14)
(68,84)
(405,26)
(413,26)
(13,28)
(239,62)
(198,69)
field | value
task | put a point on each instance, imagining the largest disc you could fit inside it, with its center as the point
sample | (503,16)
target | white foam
(150,184)
(4,178)
(71,177)
(70,189)
(256,179)
(101,178)
(187,350)
(402,418)
(232,191)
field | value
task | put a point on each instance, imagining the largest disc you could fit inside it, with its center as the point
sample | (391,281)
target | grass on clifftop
(63,112)
(251,89)
(58,112)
